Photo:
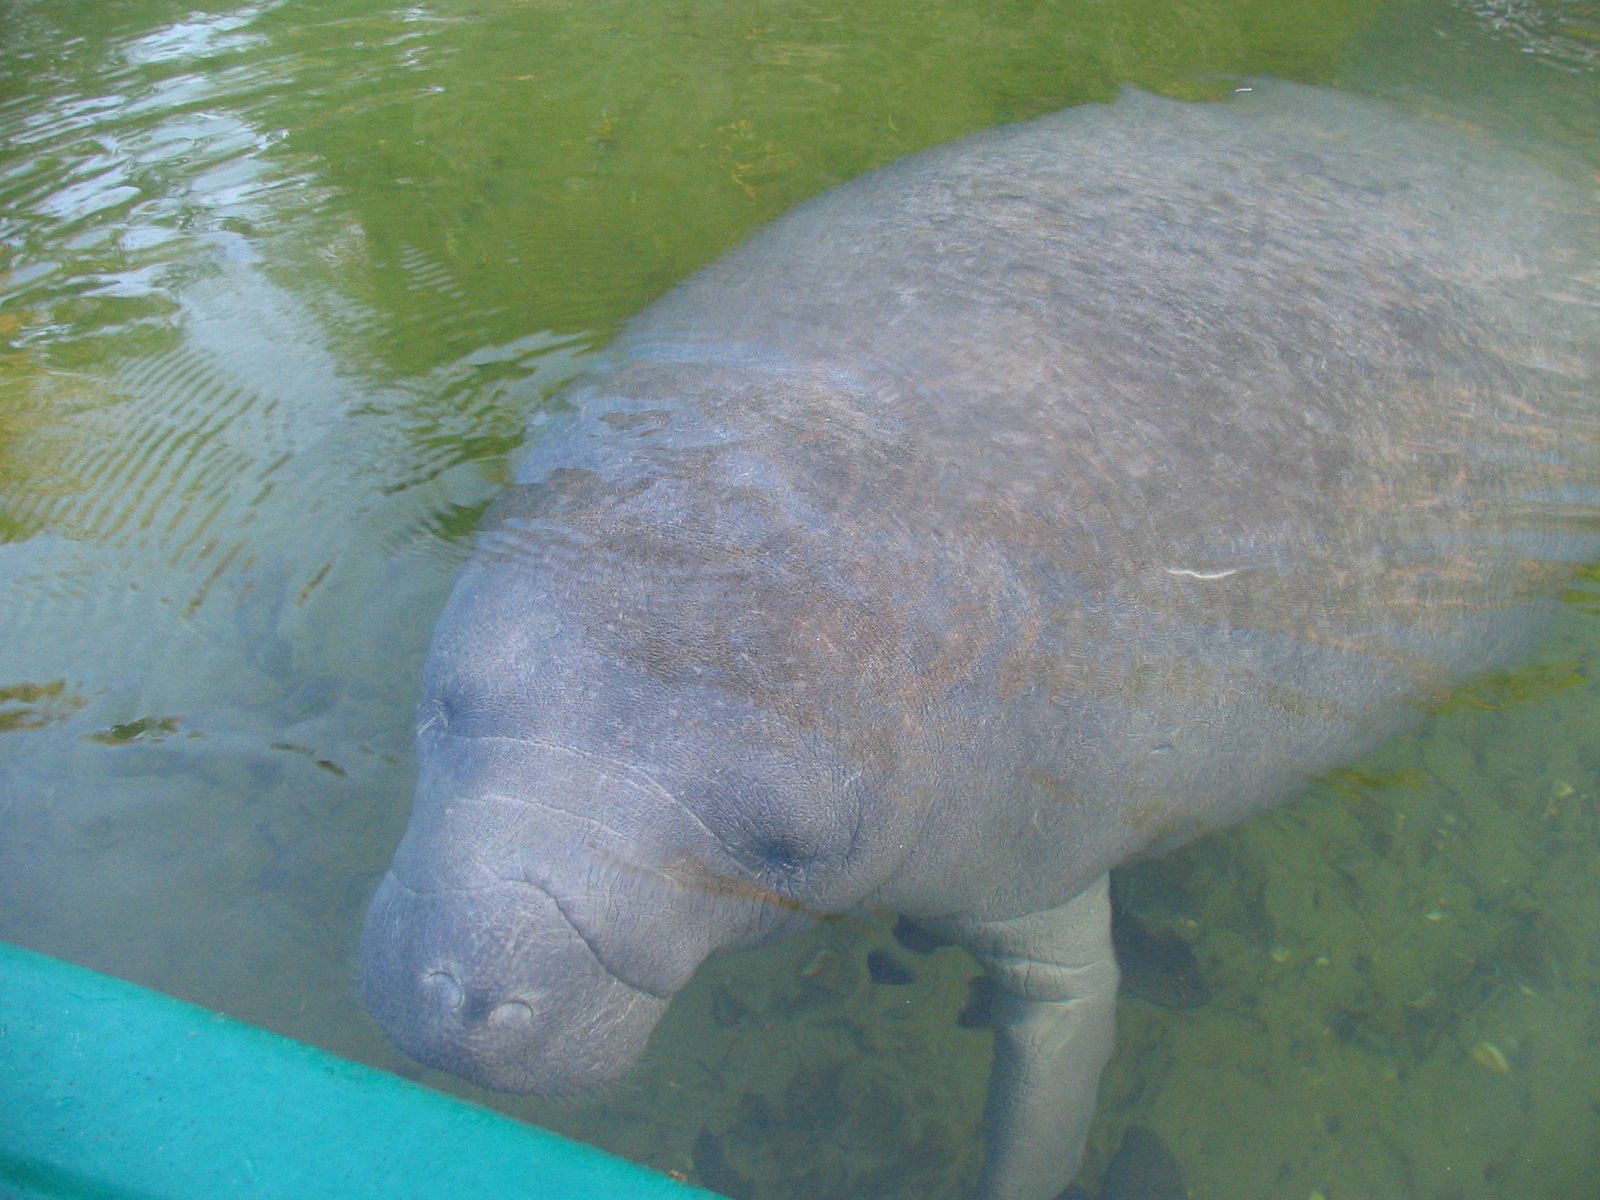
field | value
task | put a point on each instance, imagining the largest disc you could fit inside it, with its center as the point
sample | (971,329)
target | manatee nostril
(442,986)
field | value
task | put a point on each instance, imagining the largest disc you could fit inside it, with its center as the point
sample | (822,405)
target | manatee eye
(767,822)
(783,855)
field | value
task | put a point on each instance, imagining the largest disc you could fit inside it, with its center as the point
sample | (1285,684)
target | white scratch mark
(1206,576)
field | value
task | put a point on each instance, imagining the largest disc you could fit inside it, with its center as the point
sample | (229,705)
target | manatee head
(630,759)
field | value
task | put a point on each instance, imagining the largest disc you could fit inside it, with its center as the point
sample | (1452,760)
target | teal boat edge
(110,1091)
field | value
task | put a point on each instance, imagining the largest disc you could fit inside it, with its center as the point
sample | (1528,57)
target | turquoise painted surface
(112,1090)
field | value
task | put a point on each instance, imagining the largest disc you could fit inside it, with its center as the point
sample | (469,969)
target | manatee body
(1039,501)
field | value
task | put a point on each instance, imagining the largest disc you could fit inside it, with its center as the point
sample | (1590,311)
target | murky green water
(279,285)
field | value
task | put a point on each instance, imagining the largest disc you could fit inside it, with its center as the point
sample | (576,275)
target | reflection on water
(1523,69)
(227,517)
(1565,36)
(279,285)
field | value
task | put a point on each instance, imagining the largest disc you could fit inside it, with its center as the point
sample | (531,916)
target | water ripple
(195,401)
(1563,33)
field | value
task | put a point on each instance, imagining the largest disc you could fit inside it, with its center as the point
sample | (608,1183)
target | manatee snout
(495,985)
(543,907)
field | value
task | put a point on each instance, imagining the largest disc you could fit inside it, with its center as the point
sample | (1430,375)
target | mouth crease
(560,908)
(588,943)
(533,886)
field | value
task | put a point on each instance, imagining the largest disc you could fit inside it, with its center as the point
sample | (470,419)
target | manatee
(1037,502)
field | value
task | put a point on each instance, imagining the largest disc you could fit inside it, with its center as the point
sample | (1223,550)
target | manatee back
(1220,435)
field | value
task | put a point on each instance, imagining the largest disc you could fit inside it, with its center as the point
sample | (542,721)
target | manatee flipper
(1054,1018)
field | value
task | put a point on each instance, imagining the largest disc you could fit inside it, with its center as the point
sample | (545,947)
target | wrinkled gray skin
(1041,500)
